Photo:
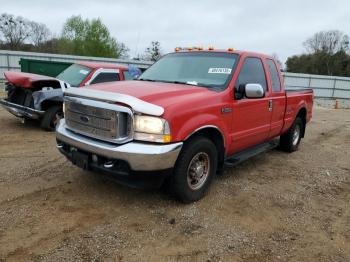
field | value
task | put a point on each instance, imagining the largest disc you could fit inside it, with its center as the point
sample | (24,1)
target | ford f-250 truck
(40,97)
(187,115)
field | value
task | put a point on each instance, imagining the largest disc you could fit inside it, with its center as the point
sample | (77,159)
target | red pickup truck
(40,97)
(187,116)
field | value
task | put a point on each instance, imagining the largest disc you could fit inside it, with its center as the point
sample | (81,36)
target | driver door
(251,116)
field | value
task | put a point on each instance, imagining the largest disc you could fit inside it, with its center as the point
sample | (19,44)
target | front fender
(191,125)
(44,95)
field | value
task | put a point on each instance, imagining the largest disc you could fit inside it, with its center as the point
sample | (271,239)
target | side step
(250,152)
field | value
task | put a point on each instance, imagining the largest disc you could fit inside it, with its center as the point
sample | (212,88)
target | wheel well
(49,103)
(302,115)
(217,138)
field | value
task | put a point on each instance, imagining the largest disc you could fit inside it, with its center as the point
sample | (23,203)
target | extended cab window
(205,69)
(252,72)
(276,84)
(105,77)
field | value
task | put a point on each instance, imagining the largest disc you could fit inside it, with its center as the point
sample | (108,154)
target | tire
(51,117)
(290,141)
(198,154)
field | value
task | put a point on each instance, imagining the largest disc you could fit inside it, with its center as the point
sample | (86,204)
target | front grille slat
(101,123)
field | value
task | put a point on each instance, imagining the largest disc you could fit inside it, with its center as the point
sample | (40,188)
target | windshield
(74,74)
(207,69)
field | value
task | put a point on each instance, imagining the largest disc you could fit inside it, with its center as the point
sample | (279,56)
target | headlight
(153,129)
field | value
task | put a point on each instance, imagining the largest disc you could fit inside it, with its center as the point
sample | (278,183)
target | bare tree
(15,30)
(153,52)
(39,33)
(329,42)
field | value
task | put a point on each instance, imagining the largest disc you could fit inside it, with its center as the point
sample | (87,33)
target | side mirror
(254,91)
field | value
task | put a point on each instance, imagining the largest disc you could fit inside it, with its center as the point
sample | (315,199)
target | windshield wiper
(188,83)
(146,79)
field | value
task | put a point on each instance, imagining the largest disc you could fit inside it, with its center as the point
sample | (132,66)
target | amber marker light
(211,48)
(230,49)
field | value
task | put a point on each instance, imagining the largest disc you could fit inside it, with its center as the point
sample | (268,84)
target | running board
(250,152)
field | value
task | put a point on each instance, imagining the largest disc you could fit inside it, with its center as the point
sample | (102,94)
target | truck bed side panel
(297,100)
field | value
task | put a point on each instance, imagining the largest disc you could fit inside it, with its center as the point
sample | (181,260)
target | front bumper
(139,156)
(21,111)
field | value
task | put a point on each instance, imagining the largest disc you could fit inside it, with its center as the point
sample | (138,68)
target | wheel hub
(198,170)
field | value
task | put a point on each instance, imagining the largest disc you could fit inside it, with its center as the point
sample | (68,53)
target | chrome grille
(97,122)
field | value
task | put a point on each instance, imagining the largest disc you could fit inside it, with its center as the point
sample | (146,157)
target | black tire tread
(178,182)
(286,139)
(48,117)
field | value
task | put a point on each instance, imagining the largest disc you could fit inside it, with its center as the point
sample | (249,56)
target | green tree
(89,38)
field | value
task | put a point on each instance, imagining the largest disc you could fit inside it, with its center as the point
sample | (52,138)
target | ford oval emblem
(84,119)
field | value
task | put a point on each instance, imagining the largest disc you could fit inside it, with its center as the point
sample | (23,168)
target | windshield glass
(74,74)
(207,69)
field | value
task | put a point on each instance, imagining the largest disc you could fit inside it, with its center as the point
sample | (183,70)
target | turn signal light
(166,138)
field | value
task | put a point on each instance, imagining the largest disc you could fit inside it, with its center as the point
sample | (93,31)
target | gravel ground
(273,207)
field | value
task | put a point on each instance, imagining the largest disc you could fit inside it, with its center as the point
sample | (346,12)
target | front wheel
(51,118)
(194,169)
(290,141)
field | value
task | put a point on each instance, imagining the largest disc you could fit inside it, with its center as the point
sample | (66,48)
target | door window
(252,72)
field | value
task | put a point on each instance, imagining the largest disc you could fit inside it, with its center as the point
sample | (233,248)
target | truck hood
(26,80)
(158,93)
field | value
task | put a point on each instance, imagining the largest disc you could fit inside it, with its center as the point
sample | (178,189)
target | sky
(267,26)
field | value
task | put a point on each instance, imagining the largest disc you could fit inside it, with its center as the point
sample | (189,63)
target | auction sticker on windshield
(84,72)
(219,70)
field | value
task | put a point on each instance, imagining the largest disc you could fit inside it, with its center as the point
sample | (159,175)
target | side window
(276,84)
(252,72)
(105,77)
(127,75)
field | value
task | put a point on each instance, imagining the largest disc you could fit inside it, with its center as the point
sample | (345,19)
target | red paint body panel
(26,80)
(250,122)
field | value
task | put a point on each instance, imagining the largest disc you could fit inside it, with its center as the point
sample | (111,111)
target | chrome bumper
(140,156)
(21,111)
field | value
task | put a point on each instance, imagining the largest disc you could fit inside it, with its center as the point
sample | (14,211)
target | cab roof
(96,65)
(239,52)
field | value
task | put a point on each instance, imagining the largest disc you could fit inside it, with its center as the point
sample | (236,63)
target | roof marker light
(211,48)
(230,49)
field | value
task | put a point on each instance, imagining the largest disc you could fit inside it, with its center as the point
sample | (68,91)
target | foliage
(79,37)
(327,55)
(89,38)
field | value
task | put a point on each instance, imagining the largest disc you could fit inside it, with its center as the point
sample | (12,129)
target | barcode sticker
(219,70)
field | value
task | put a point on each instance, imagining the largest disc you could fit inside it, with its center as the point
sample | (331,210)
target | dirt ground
(274,207)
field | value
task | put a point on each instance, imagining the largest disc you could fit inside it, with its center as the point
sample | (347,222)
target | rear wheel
(194,169)
(290,141)
(51,118)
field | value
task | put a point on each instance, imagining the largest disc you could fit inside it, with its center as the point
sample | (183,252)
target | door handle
(270,105)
